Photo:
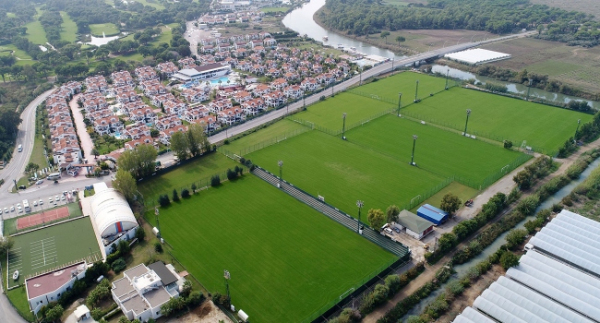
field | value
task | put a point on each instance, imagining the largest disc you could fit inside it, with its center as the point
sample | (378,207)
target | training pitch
(405,83)
(50,248)
(286,260)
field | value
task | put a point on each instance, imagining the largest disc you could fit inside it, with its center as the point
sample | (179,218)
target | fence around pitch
(202,183)
(262,144)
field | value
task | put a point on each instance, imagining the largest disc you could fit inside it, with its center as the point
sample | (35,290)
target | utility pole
(399,102)
(467,122)
(360,83)
(344,126)
(412,157)
(360,204)
(528,89)
(280,163)
(417,91)
(447,74)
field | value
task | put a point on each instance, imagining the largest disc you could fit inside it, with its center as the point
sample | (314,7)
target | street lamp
(576,131)
(360,204)
(399,102)
(466,122)
(280,163)
(412,157)
(344,126)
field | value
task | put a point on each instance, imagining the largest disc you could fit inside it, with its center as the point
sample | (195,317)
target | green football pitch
(543,127)
(51,248)
(405,83)
(438,151)
(344,172)
(286,260)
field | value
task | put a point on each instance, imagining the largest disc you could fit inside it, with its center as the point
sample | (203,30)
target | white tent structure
(558,280)
(477,56)
(111,212)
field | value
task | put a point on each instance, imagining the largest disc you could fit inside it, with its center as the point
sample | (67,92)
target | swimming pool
(223,80)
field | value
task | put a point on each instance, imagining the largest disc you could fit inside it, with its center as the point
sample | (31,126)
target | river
(301,21)
(462,269)
(512,87)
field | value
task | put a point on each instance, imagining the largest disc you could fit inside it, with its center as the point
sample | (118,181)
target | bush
(175,196)
(508,259)
(215,181)
(119,265)
(392,282)
(454,288)
(123,247)
(231,175)
(140,234)
(163,200)
(515,237)
(158,247)
(194,299)
(508,144)
(194,188)
(185,193)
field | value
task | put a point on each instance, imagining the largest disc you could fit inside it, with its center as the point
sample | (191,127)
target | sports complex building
(557,280)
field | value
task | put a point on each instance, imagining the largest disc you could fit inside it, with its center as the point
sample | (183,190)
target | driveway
(86,142)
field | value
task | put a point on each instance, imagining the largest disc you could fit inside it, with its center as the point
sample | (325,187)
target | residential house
(194,95)
(293,92)
(279,84)
(167,68)
(145,73)
(274,99)
(230,116)
(122,78)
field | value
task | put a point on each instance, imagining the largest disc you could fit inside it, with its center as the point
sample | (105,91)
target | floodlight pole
(447,74)
(360,82)
(227,276)
(360,204)
(467,122)
(280,163)
(344,126)
(412,156)
(528,89)
(332,85)
(399,102)
(417,91)
(576,131)
(304,99)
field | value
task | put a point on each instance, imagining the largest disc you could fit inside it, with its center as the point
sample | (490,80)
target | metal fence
(151,201)
(262,144)
(373,96)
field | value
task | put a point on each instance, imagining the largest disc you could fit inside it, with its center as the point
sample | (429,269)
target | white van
(20,148)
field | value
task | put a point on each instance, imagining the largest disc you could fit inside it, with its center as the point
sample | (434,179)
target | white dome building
(111,212)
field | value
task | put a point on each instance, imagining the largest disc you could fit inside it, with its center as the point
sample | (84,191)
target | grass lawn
(183,176)
(108,28)
(274,9)
(286,260)
(406,83)
(36,33)
(544,128)
(276,131)
(16,52)
(151,3)
(438,151)
(18,298)
(37,155)
(463,192)
(51,247)
(68,28)
(166,35)
(329,113)
(343,172)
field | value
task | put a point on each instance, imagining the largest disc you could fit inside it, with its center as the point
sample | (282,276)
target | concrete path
(85,140)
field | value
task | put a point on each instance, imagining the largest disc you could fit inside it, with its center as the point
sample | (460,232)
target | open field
(151,3)
(576,66)
(36,33)
(463,192)
(405,83)
(49,248)
(68,28)
(166,35)
(183,176)
(329,113)
(343,172)
(274,131)
(108,28)
(544,128)
(585,6)
(286,260)
(438,151)
(274,9)
(18,53)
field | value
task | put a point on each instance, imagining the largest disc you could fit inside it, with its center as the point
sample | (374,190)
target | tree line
(364,17)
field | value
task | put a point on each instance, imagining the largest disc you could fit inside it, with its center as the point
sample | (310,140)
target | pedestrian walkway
(333,213)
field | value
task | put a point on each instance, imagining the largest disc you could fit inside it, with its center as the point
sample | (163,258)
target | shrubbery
(119,265)
(215,181)
(163,200)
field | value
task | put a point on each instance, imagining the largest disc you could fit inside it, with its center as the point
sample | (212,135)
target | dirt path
(205,313)
(506,183)
(85,140)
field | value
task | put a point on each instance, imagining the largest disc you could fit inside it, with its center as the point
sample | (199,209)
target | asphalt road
(25,137)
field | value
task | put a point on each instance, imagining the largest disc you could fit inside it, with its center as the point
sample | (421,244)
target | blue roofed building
(433,214)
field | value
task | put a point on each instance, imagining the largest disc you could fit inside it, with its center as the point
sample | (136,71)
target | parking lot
(36,205)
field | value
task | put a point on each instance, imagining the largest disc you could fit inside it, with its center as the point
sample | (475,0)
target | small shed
(433,214)
(416,226)
(82,313)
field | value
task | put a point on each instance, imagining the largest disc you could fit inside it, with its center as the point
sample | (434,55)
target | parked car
(40,182)
(0,211)
(5,210)
(12,208)
(62,197)
(50,199)
(22,187)
(34,203)
(57,198)
(19,209)
(41,202)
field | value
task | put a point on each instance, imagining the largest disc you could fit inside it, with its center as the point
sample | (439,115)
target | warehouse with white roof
(557,280)
(477,56)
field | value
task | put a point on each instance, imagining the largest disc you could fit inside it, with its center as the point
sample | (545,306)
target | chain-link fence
(263,144)
(151,201)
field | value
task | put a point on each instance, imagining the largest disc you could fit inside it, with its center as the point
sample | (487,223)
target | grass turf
(183,176)
(108,29)
(276,131)
(329,113)
(462,191)
(405,83)
(63,243)
(274,9)
(68,30)
(438,151)
(545,128)
(36,33)
(343,172)
(286,260)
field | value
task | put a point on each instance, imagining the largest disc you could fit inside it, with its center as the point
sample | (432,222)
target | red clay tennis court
(44,217)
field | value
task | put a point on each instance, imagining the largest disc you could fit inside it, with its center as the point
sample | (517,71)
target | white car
(19,209)
(62,197)
(0,211)
(12,208)
(50,199)
(57,198)
(5,210)
(41,202)
(34,203)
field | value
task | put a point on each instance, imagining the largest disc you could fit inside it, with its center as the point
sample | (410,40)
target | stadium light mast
(467,122)
(528,89)
(447,74)
(417,91)
(360,204)
(576,131)
(227,277)
(412,156)
(344,126)
(360,82)
(399,102)
(280,163)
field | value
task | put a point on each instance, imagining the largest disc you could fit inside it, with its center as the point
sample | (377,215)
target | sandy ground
(86,142)
(206,313)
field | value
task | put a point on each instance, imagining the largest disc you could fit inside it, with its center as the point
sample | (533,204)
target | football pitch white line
(43,253)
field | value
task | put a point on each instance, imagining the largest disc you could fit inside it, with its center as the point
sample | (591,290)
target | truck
(53,176)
